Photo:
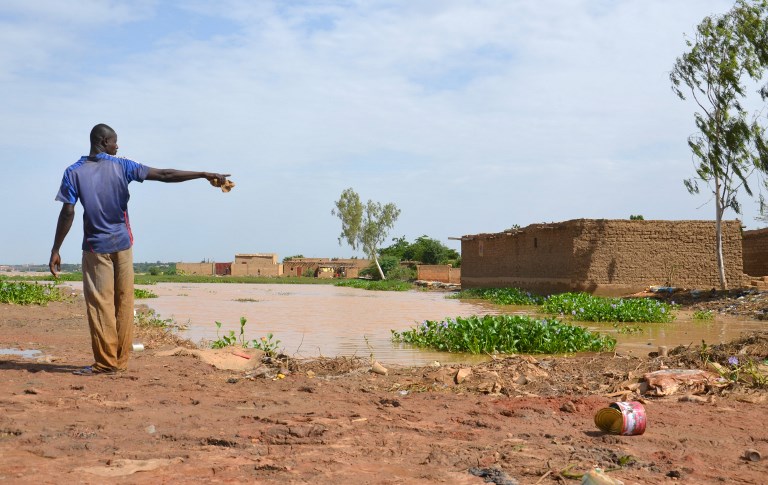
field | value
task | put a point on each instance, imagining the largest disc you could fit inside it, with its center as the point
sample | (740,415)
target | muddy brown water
(325,320)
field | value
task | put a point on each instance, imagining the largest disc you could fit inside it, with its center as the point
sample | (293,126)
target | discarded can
(752,455)
(622,417)
(138,347)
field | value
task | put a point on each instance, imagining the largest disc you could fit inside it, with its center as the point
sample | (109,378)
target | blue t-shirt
(102,188)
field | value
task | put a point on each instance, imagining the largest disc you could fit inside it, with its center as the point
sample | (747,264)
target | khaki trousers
(108,291)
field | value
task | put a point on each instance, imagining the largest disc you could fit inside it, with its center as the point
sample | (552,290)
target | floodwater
(325,320)
(25,354)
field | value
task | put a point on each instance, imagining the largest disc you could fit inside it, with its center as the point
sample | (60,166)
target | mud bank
(174,419)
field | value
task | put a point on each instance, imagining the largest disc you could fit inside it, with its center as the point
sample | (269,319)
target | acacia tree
(730,144)
(364,226)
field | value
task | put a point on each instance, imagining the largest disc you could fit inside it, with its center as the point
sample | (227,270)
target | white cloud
(470,117)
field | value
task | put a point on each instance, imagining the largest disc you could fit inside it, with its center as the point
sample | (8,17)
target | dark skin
(108,144)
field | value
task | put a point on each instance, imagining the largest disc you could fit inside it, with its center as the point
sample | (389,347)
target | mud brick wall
(438,272)
(602,256)
(257,260)
(256,269)
(205,269)
(755,247)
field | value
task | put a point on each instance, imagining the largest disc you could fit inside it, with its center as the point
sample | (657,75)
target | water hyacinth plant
(140,293)
(501,296)
(587,308)
(504,334)
(23,293)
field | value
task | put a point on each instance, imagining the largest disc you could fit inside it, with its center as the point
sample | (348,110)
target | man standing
(100,181)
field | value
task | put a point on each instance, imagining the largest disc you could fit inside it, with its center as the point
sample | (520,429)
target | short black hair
(101,131)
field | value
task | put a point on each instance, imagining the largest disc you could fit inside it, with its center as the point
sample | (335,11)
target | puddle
(325,320)
(26,354)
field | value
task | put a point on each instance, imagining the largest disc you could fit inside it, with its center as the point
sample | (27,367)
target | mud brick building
(205,269)
(325,267)
(257,264)
(443,273)
(755,246)
(602,256)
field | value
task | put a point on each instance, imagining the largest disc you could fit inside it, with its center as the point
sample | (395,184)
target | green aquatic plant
(703,315)
(588,308)
(266,344)
(503,334)
(230,340)
(23,293)
(150,318)
(140,293)
(501,296)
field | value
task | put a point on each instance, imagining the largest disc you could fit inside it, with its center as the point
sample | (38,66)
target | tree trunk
(719,231)
(381,273)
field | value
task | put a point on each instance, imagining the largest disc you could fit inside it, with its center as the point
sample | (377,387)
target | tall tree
(364,226)
(730,144)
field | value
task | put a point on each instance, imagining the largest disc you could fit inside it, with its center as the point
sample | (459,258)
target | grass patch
(501,296)
(140,293)
(377,285)
(504,334)
(23,293)
(587,308)
(150,319)
(703,315)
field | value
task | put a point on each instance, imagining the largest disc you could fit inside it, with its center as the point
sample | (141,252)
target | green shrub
(703,315)
(23,293)
(140,293)
(504,334)
(587,308)
(378,285)
(501,296)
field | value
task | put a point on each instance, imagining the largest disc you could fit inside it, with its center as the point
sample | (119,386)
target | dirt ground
(176,419)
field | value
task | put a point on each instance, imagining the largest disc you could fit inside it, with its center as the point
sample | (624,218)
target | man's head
(103,139)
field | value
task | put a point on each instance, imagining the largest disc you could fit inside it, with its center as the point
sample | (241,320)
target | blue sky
(470,116)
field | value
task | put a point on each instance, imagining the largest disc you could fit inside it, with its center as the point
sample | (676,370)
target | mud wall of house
(755,247)
(602,256)
(264,260)
(438,272)
(195,268)
(626,255)
(537,258)
(257,269)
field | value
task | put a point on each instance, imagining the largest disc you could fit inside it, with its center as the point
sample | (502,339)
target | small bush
(704,315)
(504,334)
(23,293)
(378,285)
(140,293)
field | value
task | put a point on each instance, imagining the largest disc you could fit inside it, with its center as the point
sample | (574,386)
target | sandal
(90,371)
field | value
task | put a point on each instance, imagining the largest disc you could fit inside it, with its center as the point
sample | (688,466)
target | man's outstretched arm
(171,175)
(66,216)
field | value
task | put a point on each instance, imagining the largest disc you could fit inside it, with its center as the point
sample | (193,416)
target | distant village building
(258,264)
(266,264)
(325,267)
(602,256)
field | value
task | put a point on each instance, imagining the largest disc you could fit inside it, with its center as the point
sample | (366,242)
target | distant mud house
(602,256)
(266,264)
